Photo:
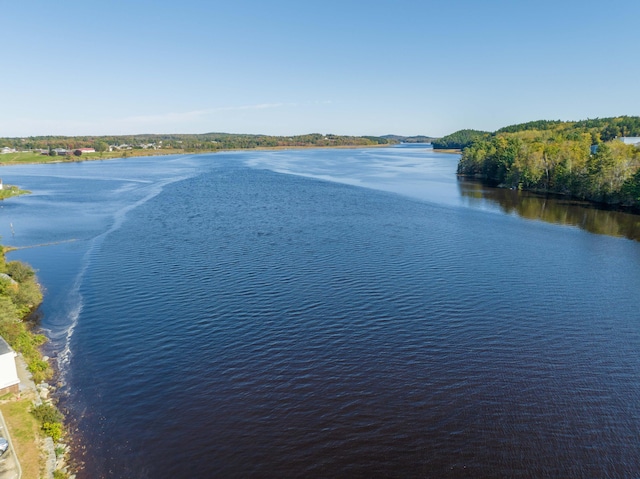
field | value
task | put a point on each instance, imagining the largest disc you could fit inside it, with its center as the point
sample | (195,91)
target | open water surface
(331,313)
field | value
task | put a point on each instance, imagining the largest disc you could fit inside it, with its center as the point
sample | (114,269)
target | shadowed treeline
(554,209)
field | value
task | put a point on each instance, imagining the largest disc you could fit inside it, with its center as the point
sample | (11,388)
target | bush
(20,272)
(53,429)
(38,366)
(50,420)
(46,413)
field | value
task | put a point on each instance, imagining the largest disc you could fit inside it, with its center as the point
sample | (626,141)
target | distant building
(81,151)
(6,149)
(9,382)
(631,140)
(6,277)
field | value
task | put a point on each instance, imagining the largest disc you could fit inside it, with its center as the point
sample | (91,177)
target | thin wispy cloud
(260,106)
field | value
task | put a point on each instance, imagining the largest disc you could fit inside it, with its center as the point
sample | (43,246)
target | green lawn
(30,158)
(17,158)
(25,436)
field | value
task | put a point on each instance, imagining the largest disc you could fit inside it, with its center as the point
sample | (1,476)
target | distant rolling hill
(409,139)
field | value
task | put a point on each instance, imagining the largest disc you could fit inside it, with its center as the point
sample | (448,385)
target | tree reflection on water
(552,209)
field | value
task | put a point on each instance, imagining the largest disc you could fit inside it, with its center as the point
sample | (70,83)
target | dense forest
(584,159)
(187,142)
(459,140)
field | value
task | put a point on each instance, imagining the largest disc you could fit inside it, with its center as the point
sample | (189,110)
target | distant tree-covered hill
(458,140)
(409,139)
(531,125)
(585,159)
(187,142)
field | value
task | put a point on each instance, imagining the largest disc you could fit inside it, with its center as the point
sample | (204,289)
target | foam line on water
(75,299)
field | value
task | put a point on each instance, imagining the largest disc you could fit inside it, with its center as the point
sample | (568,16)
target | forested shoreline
(188,142)
(20,295)
(584,159)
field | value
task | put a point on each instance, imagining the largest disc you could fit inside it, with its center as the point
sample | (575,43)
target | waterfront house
(9,382)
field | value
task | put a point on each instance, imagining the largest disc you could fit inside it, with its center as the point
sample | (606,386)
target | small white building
(9,382)
(631,140)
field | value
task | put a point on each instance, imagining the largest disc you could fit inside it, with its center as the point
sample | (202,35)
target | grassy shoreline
(12,159)
(452,151)
(9,191)
(20,296)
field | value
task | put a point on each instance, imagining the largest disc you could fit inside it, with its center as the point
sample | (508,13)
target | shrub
(53,429)
(19,271)
(47,413)
(38,366)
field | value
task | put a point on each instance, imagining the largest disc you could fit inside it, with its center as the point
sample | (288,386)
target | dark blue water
(218,316)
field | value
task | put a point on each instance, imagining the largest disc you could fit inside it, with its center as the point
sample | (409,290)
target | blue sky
(283,67)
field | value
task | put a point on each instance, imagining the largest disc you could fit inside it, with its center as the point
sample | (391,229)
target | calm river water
(332,313)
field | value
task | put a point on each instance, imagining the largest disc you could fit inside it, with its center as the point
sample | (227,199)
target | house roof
(4,347)
(5,275)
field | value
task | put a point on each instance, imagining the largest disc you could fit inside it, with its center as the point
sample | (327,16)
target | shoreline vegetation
(63,149)
(32,416)
(595,160)
(8,191)
(54,149)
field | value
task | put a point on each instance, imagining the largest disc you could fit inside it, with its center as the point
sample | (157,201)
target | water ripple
(252,324)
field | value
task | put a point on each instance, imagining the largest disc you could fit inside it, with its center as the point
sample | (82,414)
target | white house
(631,140)
(9,382)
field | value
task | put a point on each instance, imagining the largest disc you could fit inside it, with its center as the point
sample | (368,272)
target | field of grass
(32,158)
(18,158)
(25,435)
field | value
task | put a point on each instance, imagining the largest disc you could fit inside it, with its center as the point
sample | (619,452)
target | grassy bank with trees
(583,159)
(40,149)
(20,295)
